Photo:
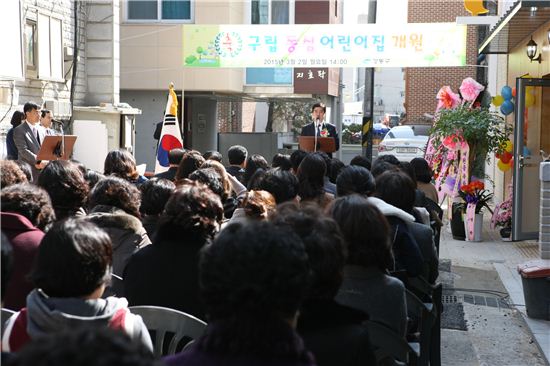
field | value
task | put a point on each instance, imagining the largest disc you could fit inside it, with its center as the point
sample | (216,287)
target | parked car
(402,142)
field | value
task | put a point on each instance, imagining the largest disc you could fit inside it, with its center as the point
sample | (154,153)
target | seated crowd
(286,262)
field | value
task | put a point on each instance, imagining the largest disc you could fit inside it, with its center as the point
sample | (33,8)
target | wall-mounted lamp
(532,51)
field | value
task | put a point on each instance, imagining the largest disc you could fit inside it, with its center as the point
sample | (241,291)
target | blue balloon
(526,151)
(506,92)
(507,107)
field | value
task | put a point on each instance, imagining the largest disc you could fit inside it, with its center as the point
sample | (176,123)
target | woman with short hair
(166,273)
(311,175)
(26,212)
(68,190)
(252,279)
(122,164)
(367,285)
(72,269)
(114,206)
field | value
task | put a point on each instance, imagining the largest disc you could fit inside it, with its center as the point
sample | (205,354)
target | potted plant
(465,131)
(502,216)
(475,197)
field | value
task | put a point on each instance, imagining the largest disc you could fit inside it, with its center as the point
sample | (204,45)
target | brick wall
(423,83)
(229,116)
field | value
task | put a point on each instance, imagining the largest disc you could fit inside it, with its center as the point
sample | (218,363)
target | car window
(401,133)
(421,130)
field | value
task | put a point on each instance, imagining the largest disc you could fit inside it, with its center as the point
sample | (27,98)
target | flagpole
(170,136)
(182,123)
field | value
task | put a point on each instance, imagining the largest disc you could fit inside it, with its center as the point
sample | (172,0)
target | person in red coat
(26,213)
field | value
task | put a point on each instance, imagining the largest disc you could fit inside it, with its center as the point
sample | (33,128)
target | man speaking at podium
(319,127)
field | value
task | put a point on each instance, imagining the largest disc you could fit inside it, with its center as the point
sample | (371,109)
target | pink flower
(449,142)
(447,99)
(451,155)
(470,89)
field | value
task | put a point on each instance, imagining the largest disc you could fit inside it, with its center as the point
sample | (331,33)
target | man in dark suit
(236,155)
(28,137)
(46,119)
(174,159)
(319,127)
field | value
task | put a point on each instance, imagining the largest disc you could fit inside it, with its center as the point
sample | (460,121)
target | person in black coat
(334,333)
(166,273)
(397,189)
(16,119)
(319,127)
(237,155)
(174,159)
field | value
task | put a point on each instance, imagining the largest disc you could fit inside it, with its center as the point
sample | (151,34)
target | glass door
(531,135)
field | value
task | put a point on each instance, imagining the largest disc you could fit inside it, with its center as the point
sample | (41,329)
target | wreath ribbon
(470,220)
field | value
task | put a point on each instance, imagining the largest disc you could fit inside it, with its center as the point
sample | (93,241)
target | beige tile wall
(151,53)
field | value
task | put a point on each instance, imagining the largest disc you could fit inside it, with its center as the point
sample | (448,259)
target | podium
(58,147)
(324,144)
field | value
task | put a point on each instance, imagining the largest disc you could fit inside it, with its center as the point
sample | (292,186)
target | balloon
(514,92)
(497,155)
(502,166)
(526,151)
(508,146)
(511,163)
(529,100)
(497,100)
(506,92)
(505,157)
(507,107)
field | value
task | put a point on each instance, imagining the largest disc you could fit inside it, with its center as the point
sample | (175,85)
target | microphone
(57,121)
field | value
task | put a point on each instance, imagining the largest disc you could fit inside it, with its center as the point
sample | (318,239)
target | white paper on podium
(92,146)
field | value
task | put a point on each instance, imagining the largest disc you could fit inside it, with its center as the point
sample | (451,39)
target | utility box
(535,277)
(102,126)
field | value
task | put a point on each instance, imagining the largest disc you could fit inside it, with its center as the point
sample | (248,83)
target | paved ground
(486,323)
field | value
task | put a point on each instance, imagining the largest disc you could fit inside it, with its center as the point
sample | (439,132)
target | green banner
(325,45)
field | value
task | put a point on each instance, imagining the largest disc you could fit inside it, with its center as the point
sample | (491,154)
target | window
(268,76)
(30,45)
(160,11)
(271,12)
(50,48)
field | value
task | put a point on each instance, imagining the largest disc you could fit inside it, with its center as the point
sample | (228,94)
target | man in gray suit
(28,137)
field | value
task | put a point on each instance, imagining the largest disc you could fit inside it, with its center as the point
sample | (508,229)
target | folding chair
(6,314)
(424,315)
(388,344)
(172,329)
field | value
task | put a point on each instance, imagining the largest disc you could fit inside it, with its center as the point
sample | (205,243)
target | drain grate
(474,299)
(491,301)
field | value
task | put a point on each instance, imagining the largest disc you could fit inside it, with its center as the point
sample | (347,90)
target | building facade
(422,84)
(49,44)
(213,100)
(64,56)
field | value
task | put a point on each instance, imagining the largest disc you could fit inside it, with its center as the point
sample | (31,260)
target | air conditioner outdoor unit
(59,109)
